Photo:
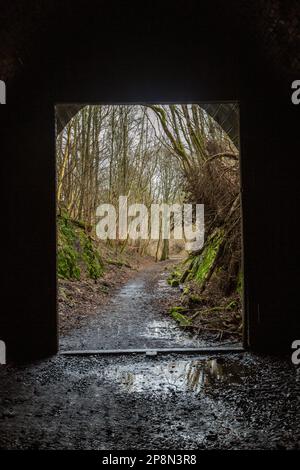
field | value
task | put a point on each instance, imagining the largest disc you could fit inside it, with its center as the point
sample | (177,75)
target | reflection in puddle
(166,377)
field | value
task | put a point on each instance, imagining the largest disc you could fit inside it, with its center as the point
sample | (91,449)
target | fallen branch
(231,155)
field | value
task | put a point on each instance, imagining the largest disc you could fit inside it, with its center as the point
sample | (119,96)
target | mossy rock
(177,314)
(174,278)
(195,299)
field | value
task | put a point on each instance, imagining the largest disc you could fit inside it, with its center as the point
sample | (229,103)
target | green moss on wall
(67,255)
(76,252)
(204,262)
(90,256)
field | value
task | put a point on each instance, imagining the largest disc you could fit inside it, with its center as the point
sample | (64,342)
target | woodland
(175,153)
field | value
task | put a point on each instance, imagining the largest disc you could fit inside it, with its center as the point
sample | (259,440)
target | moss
(76,252)
(67,263)
(176,313)
(186,290)
(195,299)
(67,256)
(92,260)
(204,262)
(90,256)
(174,278)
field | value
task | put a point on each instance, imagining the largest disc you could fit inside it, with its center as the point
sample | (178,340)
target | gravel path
(135,317)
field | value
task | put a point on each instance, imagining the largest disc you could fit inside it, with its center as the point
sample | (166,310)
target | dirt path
(135,317)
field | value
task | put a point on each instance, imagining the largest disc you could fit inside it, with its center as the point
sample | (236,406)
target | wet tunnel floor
(135,318)
(234,401)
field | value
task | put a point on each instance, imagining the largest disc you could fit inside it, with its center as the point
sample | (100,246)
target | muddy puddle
(192,376)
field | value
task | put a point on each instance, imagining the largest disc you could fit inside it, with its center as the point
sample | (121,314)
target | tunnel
(69,69)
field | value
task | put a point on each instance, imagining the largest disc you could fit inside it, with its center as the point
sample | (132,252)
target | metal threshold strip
(153,352)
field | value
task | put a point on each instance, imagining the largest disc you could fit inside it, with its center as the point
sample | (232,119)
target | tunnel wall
(110,57)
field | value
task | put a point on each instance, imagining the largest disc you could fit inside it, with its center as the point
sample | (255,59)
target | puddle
(131,291)
(168,330)
(166,377)
(162,330)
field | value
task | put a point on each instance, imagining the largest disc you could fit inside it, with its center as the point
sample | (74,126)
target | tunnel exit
(149,253)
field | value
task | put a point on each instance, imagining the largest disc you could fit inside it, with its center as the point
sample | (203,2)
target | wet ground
(135,318)
(229,401)
(236,401)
